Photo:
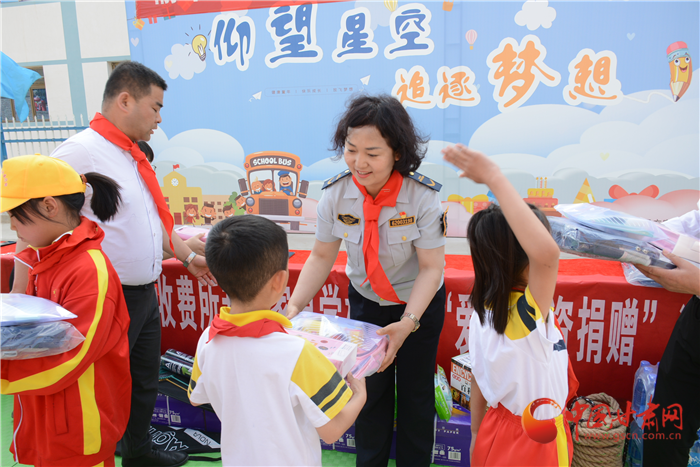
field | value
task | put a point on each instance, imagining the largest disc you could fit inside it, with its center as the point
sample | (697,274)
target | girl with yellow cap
(70,408)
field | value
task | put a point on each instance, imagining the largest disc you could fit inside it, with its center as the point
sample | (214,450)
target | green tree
(232,201)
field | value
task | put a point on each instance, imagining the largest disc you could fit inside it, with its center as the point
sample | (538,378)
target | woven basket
(600,446)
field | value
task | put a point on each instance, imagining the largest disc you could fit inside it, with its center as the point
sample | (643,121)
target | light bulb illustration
(199,45)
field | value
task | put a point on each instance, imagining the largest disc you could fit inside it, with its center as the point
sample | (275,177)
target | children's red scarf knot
(115,136)
(372,207)
(258,328)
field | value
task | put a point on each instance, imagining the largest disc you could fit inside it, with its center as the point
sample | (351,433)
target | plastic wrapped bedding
(24,341)
(620,224)
(582,240)
(34,327)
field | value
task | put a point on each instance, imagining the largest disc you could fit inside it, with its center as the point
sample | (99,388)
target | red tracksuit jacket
(71,409)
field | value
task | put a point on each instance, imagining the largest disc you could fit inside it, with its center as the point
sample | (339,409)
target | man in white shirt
(134,239)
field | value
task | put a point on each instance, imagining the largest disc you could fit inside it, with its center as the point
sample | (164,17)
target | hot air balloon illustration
(471,38)
(391,4)
(681,68)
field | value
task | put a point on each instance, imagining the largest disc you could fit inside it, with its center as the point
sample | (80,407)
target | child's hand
(357,385)
(474,164)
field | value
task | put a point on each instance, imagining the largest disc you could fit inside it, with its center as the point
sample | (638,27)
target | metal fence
(37,137)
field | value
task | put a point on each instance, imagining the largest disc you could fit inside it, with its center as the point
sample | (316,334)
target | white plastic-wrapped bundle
(371,347)
(19,308)
(34,327)
(582,240)
(620,224)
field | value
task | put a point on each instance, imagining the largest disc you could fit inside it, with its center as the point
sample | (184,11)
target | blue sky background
(538,138)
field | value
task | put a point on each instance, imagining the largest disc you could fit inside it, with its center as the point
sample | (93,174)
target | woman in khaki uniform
(393,226)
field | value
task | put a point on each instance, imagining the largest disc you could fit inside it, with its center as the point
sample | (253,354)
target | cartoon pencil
(681,68)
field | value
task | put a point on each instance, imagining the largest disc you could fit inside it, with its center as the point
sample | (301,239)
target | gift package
(343,355)
(371,347)
(598,232)
(34,327)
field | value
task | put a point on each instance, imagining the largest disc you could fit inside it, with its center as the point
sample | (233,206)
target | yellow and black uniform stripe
(524,314)
(196,373)
(319,380)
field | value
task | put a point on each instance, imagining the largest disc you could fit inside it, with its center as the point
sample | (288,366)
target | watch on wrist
(189,259)
(416,323)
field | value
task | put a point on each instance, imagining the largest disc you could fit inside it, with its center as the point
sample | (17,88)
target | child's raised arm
(540,247)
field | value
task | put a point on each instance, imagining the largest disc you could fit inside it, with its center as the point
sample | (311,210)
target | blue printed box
(346,443)
(172,412)
(452,439)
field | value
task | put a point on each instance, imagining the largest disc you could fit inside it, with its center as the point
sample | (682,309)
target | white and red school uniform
(528,361)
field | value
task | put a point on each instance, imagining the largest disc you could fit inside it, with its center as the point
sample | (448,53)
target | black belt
(137,287)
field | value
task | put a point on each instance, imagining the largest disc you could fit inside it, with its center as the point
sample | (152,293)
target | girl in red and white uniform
(71,408)
(518,353)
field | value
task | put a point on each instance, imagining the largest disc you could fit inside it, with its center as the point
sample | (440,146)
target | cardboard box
(452,439)
(461,380)
(346,443)
(172,412)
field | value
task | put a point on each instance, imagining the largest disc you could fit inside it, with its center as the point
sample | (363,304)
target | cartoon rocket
(681,68)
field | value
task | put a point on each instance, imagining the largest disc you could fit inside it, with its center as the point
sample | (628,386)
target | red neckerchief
(115,136)
(370,245)
(257,328)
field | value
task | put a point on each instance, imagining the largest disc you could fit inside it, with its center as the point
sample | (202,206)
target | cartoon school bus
(273,185)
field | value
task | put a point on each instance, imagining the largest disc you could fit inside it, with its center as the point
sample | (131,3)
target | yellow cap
(37,176)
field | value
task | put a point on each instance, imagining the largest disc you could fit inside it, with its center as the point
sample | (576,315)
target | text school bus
(273,186)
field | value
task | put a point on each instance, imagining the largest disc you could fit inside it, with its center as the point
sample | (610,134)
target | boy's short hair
(134,78)
(244,252)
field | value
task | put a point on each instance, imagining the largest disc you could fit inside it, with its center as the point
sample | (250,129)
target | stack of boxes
(461,380)
(453,437)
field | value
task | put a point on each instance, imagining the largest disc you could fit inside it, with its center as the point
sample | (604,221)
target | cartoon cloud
(681,68)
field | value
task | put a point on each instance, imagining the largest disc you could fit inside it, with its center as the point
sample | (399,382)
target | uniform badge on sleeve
(444,222)
(348,219)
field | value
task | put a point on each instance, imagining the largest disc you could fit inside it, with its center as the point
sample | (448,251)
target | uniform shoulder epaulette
(427,181)
(334,179)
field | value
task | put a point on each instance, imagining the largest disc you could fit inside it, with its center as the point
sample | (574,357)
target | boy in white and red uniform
(275,393)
